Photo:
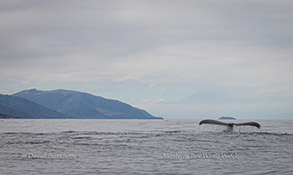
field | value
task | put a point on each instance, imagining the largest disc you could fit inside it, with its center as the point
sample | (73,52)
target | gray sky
(175,58)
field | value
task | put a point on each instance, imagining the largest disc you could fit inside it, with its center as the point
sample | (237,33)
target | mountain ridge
(83,105)
(17,107)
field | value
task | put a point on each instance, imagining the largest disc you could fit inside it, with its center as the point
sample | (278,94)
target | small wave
(23,133)
(80,138)
(176,131)
(13,133)
(271,133)
(69,132)
(27,142)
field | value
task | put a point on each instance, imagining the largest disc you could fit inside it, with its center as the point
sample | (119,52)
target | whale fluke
(216,122)
(248,124)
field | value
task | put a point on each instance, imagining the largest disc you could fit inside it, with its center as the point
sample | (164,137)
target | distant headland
(61,104)
(227,118)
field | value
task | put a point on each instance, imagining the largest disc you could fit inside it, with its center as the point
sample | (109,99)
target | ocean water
(71,147)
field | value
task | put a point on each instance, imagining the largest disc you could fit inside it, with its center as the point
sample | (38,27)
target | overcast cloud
(176,58)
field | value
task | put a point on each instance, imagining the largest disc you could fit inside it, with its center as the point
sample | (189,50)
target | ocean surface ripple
(71,147)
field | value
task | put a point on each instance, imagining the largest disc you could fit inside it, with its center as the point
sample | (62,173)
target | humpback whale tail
(229,125)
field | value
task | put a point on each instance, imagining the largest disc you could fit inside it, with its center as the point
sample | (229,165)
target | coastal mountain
(16,107)
(83,105)
(6,112)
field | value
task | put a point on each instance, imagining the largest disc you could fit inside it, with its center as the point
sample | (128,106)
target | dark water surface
(143,147)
